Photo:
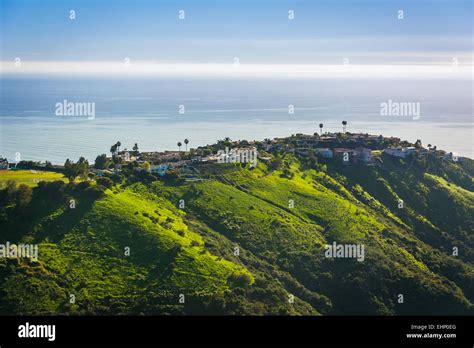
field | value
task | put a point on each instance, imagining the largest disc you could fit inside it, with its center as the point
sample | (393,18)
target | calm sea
(147,112)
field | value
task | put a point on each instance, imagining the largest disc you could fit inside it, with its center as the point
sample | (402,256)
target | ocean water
(147,111)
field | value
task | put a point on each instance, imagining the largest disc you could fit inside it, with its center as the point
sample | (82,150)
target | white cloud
(297,71)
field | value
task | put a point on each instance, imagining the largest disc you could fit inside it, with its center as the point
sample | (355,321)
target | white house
(453,157)
(400,152)
(125,155)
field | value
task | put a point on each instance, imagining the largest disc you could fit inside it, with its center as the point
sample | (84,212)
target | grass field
(28,177)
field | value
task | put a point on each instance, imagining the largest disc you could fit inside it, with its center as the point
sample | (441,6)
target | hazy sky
(364,32)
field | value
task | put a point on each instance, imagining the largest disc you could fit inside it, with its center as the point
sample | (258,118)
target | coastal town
(342,148)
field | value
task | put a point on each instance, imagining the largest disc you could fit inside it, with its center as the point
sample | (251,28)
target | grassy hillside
(251,207)
(249,241)
(82,252)
(28,177)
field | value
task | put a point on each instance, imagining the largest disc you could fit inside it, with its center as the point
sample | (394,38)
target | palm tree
(179,145)
(118,146)
(113,149)
(344,124)
(321,128)
(186,142)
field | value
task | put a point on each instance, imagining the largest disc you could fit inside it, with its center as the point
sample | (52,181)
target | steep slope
(125,253)
(253,208)
(249,241)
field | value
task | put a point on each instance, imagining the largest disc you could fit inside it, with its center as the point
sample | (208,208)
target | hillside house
(345,155)
(306,141)
(324,152)
(159,169)
(126,157)
(210,158)
(327,138)
(3,163)
(158,157)
(401,152)
(364,155)
(453,157)
(358,136)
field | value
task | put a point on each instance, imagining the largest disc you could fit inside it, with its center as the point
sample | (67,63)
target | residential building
(401,152)
(364,154)
(324,152)
(3,163)
(345,155)
(159,169)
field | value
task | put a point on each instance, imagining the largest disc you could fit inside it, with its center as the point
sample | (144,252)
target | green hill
(248,241)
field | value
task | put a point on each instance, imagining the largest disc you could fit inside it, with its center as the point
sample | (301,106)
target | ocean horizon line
(237,70)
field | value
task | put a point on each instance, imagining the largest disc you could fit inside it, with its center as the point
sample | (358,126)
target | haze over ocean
(145,111)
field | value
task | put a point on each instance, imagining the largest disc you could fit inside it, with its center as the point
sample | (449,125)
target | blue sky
(256,31)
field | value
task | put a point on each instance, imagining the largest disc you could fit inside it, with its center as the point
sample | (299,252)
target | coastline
(161,140)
